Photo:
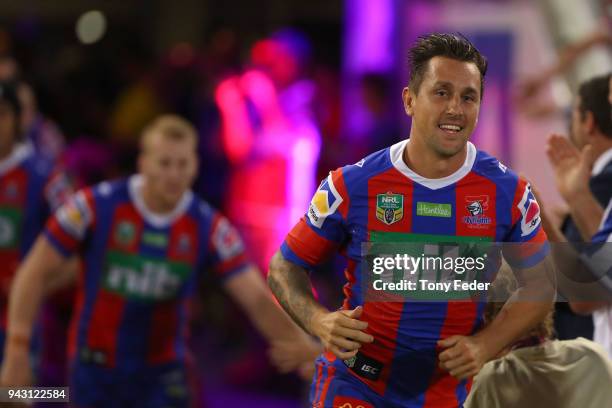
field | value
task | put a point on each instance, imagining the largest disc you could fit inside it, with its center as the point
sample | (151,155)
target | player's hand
(572,168)
(463,356)
(342,332)
(16,370)
(290,355)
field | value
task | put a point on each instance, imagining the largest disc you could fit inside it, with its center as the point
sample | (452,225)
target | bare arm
(567,58)
(577,282)
(290,346)
(64,278)
(572,172)
(29,286)
(465,355)
(249,290)
(586,213)
(27,292)
(341,332)
(527,306)
(291,286)
(586,308)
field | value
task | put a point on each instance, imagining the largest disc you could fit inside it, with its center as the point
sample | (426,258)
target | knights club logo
(476,206)
(389,207)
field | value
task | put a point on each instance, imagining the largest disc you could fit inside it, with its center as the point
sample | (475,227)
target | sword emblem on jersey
(389,207)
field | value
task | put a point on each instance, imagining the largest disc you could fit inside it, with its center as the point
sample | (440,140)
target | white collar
(157,220)
(601,162)
(20,153)
(397,158)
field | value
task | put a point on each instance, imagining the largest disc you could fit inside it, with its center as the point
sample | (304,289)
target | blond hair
(168,126)
(500,290)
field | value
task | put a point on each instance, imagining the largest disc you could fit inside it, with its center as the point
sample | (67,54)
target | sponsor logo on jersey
(137,277)
(226,240)
(324,203)
(360,163)
(10,220)
(125,232)
(155,239)
(75,216)
(425,209)
(476,206)
(389,207)
(530,212)
(58,190)
(184,243)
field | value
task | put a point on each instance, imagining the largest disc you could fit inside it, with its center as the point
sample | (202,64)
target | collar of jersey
(397,152)
(601,162)
(156,220)
(20,153)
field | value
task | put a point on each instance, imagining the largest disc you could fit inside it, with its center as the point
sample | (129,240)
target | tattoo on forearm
(291,286)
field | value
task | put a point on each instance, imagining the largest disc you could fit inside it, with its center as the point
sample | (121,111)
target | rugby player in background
(142,242)
(434,187)
(30,188)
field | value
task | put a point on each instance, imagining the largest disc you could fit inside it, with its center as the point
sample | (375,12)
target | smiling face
(445,110)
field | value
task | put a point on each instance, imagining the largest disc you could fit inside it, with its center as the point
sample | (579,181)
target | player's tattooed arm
(341,332)
(291,286)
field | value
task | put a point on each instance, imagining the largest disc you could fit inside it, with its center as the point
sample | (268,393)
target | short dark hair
(594,98)
(455,46)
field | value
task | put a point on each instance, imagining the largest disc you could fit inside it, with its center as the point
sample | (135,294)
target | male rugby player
(142,241)
(433,187)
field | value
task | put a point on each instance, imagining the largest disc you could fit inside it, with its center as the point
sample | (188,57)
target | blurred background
(281,92)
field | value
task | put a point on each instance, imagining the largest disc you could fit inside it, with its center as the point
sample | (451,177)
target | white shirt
(602,321)
(601,162)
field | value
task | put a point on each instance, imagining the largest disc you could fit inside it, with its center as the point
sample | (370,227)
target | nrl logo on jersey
(476,206)
(324,202)
(389,207)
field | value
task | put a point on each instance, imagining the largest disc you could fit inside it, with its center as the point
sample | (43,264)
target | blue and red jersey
(380,199)
(138,271)
(30,188)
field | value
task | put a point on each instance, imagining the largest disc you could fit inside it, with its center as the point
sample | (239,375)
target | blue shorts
(164,386)
(333,388)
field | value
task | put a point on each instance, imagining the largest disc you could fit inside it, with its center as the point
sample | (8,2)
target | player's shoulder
(35,164)
(204,213)
(491,168)
(108,190)
(202,209)
(367,167)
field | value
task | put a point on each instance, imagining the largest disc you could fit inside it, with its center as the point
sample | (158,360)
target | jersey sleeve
(528,241)
(69,226)
(323,229)
(58,189)
(227,253)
